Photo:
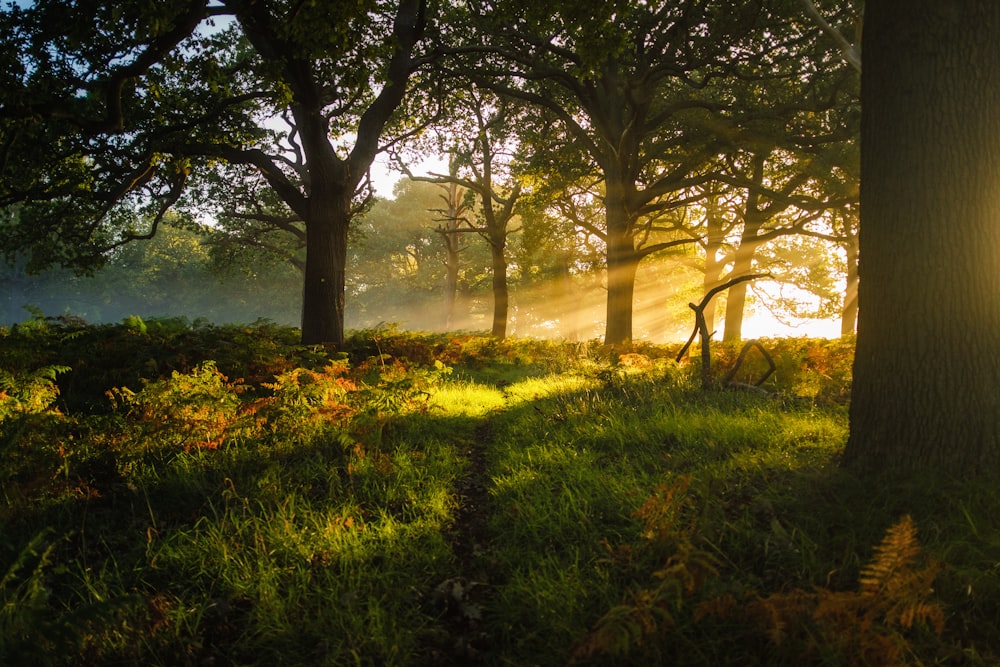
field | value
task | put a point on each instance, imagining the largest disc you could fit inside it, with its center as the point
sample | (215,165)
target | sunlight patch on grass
(532,389)
(466,398)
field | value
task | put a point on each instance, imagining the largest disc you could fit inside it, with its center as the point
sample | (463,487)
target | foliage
(669,528)
(172,274)
(863,627)
(196,409)
(811,369)
(110,117)
(28,393)
(30,428)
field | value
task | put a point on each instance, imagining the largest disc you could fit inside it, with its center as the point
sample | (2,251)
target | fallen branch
(739,362)
(701,326)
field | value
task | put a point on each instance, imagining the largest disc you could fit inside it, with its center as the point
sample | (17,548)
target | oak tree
(113,109)
(927,369)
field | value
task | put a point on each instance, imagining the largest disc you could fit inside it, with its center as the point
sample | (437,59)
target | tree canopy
(266,116)
(113,112)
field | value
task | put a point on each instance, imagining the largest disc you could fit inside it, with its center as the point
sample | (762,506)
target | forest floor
(182,495)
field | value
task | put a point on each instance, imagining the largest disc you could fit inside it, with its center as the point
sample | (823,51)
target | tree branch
(851,53)
(283,187)
(699,310)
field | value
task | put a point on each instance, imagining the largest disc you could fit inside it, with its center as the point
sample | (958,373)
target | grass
(223,496)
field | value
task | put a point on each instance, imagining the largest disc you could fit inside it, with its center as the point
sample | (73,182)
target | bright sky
(384,178)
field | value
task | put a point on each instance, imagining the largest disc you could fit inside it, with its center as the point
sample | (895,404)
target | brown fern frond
(863,627)
(840,609)
(927,613)
(663,510)
(896,552)
(901,593)
(780,613)
(625,626)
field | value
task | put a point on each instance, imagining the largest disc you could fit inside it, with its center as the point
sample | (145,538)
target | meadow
(176,493)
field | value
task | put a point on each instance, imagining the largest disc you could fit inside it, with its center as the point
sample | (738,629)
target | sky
(384,178)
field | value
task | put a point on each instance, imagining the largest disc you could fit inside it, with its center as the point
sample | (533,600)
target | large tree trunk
(622,266)
(926,391)
(623,262)
(324,282)
(501,299)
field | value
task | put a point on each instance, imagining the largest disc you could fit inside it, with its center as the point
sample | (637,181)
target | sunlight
(765,325)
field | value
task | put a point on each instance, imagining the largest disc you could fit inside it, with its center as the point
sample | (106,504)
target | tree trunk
(714,264)
(501,297)
(623,262)
(451,266)
(712,279)
(324,281)
(926,392)
(753,220)
(736,296)
(622,266)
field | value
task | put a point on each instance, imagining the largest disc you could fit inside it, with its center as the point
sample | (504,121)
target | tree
(646,93)
(778,199)
(108,107)
(252,222)
(171,275)
(618,77)
(400,260)
(452,223)
(927,369)
(846,229)
(480,139)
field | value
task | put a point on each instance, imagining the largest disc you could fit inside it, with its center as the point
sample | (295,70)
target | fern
(31,392)
(197,409)
(668,518)
(895,554)
(863,627)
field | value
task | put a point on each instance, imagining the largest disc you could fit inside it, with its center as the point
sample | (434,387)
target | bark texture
(501,295)
(623,261)
(324,282)
(926,392)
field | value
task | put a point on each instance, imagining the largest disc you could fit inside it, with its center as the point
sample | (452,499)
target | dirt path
(463,600)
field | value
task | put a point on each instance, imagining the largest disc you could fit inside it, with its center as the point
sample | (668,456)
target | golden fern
(895,554)
(864,625)
(668,518)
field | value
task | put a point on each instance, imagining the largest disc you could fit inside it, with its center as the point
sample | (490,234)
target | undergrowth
(176,493)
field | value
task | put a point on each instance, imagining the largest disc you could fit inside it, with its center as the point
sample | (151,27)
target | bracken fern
(863,627)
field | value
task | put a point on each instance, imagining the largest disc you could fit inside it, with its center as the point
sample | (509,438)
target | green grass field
(194,495)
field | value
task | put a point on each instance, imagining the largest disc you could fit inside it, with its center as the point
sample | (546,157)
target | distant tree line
(175,274)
